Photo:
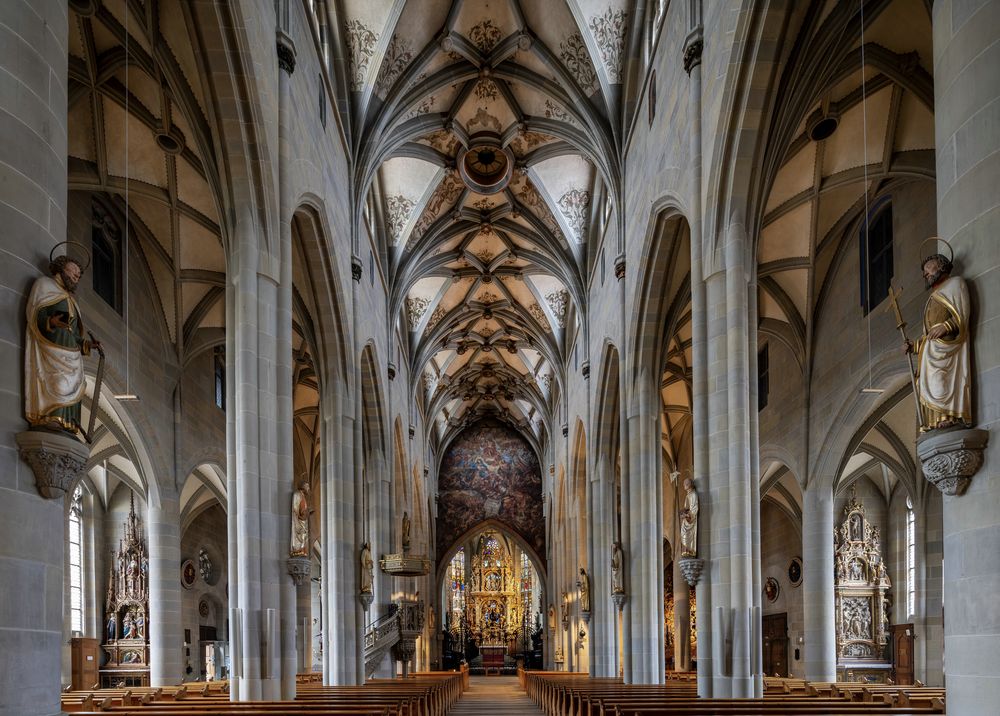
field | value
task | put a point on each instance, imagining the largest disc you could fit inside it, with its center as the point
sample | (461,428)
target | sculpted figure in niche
(689,521)
(552,617)
(300,521)
(584,584)
(367,571)
(406,532)
(55,345)
(943,380)
(617,569)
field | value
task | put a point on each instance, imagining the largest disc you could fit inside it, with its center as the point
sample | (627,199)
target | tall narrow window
(876,258)
(763,378)
(322,101)
(105,270)
(911,559)
(219,364)
(456,592)
(76,561)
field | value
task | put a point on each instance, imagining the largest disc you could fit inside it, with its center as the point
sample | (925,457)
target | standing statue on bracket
(689,521)
(54,349)
(617,569)
(300,521)
(406,532)
(367,569)
(584,584)
(943,376)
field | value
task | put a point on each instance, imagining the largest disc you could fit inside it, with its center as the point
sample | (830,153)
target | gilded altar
(494,599)
(126,610)
(861,598)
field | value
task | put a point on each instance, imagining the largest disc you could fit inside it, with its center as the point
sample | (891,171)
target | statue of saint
(617,569)
(552,617)
(367,571)
(584,584)
(406,532)
(565,606)
(128,626)
(300,521)
(943,380)
(112,627)
(689,521)
(140,625)
(55,345)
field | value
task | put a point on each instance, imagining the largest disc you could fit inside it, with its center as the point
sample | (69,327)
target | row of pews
(560,693)
(429,693)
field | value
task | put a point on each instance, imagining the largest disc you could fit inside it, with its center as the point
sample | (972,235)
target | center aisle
(494,696)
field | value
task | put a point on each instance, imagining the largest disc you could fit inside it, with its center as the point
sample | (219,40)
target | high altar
(861,589)
(494,605)
(126,610)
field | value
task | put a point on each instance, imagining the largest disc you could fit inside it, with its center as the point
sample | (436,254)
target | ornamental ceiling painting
(490,472)
(486,135)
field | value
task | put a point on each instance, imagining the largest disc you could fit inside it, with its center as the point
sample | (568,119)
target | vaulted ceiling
(877,102)
(486,137)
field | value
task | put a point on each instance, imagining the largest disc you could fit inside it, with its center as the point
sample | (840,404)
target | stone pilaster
(166,633)
(967,135)
(819,631)
(33,211)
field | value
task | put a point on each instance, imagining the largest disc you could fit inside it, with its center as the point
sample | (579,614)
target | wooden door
(774,629)
(902,652)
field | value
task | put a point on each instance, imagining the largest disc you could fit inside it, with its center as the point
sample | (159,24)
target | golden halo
(923,258)
(75,243)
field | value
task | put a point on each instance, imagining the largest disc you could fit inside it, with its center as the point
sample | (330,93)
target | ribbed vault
(486,284)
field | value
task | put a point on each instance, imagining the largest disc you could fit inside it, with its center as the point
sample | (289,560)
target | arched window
(875,242)
(106,244)
(75,534)
(456,588)
(911,559)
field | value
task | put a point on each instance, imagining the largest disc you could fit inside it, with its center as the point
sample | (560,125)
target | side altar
(126,611)
(861,598)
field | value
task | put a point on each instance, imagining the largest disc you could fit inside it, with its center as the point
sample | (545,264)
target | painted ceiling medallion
(486,167)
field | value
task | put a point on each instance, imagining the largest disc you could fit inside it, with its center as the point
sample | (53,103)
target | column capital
(286,53)
(693,46)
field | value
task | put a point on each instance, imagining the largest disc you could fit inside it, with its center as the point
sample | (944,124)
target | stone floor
(495,696)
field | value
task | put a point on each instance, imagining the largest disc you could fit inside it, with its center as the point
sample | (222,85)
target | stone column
(646,534)
(303,624)
(33,68)
(604,620)
(967,135)
(284,477)
(820,659)
(166,633)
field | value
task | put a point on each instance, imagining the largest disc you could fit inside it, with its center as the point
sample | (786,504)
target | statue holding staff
(943,380)
(689,521)
(617,569)
(367,569)
(300,521)
(55,345)
(584,584)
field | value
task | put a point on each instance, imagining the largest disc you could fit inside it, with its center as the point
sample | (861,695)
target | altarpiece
(126,610)
(861,597)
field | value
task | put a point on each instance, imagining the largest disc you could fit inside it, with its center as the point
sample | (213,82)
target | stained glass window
(456,591)
(76,560)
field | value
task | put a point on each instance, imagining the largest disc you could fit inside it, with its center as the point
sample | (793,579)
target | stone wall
(780,541)
(208,531)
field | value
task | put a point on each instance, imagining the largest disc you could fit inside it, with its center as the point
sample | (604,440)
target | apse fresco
(490,472)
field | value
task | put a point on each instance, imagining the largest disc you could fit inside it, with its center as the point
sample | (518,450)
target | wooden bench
(574,694)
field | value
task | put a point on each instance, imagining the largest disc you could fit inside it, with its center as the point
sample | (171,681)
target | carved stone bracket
(694,44)
(286,53)
(586,617)
(620,268)
(57,459)
(691,568)
(299,568)
(619,598)
(950,457)
(366,599)
(356,269)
